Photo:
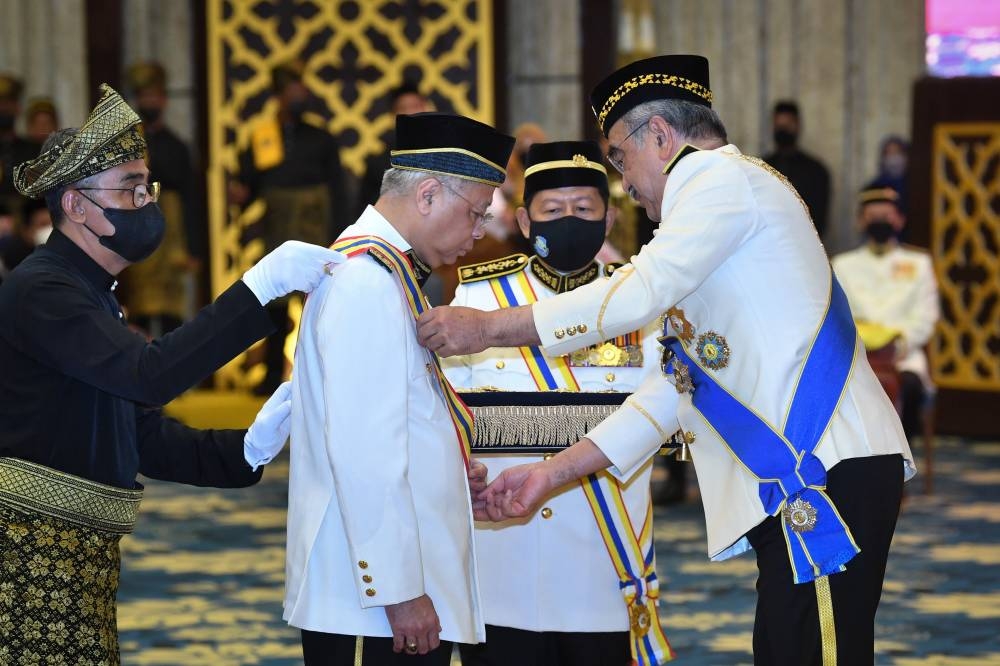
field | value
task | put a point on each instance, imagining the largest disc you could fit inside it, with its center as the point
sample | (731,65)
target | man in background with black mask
(893,294)
(14,149)
(808,175)
(156,291)
(562,604)
(80,393)
(294,167)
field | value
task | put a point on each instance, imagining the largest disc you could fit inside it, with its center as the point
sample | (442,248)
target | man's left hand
(517,492)
(267,436)
(477,484)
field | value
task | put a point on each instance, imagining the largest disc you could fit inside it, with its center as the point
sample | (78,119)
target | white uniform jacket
(551,573)
(896,289)
(378,507)
(736,251)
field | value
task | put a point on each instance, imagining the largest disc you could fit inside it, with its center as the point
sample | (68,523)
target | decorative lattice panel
(355,52)
(965,241)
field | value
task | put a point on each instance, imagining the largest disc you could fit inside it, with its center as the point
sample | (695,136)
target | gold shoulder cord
(827,627)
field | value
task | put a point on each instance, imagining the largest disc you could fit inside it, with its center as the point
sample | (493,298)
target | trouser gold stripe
(359,648)
(827,627)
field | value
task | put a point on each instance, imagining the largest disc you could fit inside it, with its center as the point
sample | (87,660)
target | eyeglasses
(482,220)
(616,156)
(142,194)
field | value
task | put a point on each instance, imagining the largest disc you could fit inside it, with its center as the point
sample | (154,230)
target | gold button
(430,368)
(366,578)
(500,365)
(582,328)
(548,456)
(689,437)
(571,330)
(559,333)
(546,513)
(363,564)
(610,376)
(370,592)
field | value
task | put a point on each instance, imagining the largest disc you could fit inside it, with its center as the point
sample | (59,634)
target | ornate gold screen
(355,52)
(965,241)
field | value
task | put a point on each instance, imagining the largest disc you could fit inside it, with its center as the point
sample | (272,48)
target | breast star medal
(712,350)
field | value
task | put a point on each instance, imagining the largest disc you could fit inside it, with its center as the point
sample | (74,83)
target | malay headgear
(451,145)
(683,77)
(110,137)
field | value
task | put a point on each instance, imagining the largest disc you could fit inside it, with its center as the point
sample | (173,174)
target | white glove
(293,266)
(269,431)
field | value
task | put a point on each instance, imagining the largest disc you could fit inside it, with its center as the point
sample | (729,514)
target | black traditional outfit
(79,417)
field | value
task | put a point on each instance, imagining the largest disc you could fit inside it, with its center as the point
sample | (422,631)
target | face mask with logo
(568,243)
(880,231)
(138,231)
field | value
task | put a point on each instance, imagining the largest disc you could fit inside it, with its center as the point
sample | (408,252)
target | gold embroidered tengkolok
(110,137)
(650,79)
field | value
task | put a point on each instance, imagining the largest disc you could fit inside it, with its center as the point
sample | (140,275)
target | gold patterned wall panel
(965,241)
(355,52)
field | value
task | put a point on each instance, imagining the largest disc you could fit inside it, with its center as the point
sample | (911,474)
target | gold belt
(35,488)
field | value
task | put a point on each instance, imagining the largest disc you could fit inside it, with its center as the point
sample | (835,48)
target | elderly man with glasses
(380,566)
(80,392)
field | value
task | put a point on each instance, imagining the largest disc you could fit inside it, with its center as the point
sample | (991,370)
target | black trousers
(319,649)
(867,493)
(516,647)
(914,397)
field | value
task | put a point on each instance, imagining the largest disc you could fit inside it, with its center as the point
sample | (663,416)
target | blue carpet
(203,575)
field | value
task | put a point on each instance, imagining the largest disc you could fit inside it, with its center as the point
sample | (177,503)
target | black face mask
(149,114)
(7,121)
(568,243)
(784,138)
(880,231)
(138,231)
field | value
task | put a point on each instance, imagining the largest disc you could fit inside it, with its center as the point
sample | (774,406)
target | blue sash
(792,479)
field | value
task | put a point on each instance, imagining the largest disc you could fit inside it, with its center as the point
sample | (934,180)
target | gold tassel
(510,426)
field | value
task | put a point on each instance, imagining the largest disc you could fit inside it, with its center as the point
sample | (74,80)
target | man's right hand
(292,266)
(451,330)
(414,622)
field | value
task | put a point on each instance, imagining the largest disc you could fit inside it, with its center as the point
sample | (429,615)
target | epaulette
(612,267)
(492,268)
(380,259)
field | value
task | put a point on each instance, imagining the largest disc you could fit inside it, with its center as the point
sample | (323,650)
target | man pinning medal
(799,453)
(80,392)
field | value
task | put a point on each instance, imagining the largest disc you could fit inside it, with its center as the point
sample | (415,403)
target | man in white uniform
(799,453)
(561,605)
(380,564)
(892,286)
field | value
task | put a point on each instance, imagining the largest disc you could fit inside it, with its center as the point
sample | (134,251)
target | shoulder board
(612,267)
(379,258)
(485,270)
